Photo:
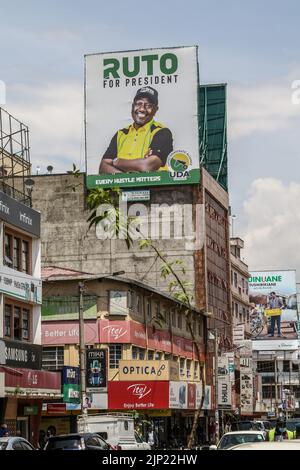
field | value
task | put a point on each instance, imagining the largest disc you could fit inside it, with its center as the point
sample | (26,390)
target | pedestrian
(275,303)
(4,430)
(280,432)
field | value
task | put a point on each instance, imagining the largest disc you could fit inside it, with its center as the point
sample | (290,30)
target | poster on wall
(273,305)
(141,117)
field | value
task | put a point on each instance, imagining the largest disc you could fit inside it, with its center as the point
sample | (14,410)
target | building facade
(152,363)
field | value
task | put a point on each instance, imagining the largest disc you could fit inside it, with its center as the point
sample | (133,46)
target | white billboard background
(109,109)
(178,395)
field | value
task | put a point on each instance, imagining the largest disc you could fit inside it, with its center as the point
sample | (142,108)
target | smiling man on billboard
(144,145)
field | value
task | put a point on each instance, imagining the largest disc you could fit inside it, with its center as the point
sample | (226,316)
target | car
(231,439)
(292,444)
(15,443)
(77,441)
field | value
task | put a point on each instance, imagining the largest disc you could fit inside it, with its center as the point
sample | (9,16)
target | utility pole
(217,424)
(81,288)
(276,390)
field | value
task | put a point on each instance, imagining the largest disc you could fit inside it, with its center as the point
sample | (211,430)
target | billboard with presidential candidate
(141,118)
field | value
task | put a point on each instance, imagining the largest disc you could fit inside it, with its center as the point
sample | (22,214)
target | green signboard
(71,393)
(67,307)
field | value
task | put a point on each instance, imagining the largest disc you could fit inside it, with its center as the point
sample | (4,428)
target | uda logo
(179,163)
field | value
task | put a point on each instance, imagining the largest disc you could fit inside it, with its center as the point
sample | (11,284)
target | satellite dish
(50,169)
(29,183)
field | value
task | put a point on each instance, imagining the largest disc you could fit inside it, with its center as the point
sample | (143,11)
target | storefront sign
(67,332)
(207,402)
(30,410)
(19,354)
(96,370)
(56,408)
(275,345)
(114,331)
(178,395)
(148,370)
(159,339)
(136,195)
(19,215)
(224,383)
(246,374)
(20,286)
(37,380)
(138,395)
(191,396)
(71,393)
(70,375)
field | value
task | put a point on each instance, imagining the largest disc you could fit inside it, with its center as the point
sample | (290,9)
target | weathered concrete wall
(67,242)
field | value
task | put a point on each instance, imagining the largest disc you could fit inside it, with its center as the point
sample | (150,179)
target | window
(149,310)
(150,355)
(235,279)
(158,355)
(181,366)
(138,353)
(188,368)
(130,299)
(16,322)
(157,310)
(243,284)
(115,354)
(179,321)
(167,317)
(196,370)
(17,252)
(7,320)
(8,250)
(174,318)
(200,327)
(167,357)
(286,366)
(53,357)
(265,366)
(25,324)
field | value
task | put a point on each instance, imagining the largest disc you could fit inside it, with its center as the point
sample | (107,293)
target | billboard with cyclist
(273,304)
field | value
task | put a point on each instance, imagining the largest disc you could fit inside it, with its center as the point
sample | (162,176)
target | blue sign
(70,375)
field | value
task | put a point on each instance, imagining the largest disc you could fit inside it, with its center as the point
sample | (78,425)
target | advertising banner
(148,370)
(178,395)
(118,302)
(70,383)
(21,354)
(273,301)
(138,395)
(246,397)
(141,117)
(32,379)
(191,396)
(96,370)
(67,332)
(224,383)
(20,285)
(207,402)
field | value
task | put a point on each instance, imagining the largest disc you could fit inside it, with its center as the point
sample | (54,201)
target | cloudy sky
(252,46)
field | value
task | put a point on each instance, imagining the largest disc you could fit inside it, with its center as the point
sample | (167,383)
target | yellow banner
(273,312)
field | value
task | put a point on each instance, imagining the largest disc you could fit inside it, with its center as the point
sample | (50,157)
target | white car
(287,444)
(15,443)
(231,439)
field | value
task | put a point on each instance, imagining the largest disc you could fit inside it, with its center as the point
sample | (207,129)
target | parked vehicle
(15,443)
(118,430)
(77,441)
(281,445)
(231,439)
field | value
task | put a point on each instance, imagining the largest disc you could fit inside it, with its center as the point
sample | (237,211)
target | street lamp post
(81,289)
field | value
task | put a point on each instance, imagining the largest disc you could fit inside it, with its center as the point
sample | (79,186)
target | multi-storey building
(23,385)
(148,342)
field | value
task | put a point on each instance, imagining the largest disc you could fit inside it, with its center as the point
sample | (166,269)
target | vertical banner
(96,370)
(141,117)
(224,383)
(246,377)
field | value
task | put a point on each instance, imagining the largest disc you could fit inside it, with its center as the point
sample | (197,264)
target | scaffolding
(15,164)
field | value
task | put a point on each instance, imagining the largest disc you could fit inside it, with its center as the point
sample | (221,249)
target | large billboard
(141,117)
(273,305)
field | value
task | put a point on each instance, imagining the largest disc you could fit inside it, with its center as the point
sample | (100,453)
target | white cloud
(54,114)
(266,108)
(273,227)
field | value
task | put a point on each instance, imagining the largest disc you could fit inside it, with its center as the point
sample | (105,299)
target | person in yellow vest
(144,145)
(280,432)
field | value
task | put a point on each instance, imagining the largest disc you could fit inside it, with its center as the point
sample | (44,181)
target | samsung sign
(19,354)
(19,215)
